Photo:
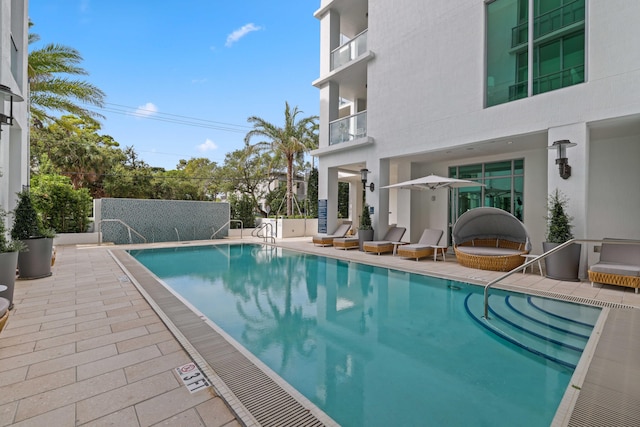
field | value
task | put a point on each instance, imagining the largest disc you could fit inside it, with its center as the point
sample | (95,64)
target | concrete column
(575,187)
(328,189)
(381,197)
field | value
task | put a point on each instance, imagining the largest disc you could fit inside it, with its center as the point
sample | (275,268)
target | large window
(557,47)
(503,188)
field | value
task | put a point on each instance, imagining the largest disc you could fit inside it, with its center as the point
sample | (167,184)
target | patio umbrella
(433,182)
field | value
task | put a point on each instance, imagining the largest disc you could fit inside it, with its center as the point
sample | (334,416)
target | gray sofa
(619,264)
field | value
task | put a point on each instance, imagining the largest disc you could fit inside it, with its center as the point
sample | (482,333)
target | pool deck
(84,347)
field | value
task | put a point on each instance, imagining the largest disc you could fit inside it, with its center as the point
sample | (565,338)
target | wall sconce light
(7,95)
(561,159)
(363,177)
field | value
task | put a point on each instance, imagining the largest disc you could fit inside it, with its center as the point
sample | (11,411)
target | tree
(51,87)
(72,147)
(289,142)
(312,193)
(247,172)
(201,173)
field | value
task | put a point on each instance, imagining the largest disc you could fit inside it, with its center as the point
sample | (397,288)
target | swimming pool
(372,346)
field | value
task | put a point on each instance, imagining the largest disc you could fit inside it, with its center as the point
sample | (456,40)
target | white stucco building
(14,138)
(480,89)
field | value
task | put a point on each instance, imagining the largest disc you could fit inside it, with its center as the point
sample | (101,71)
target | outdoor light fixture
(363,177)
(7,95)
(561,160)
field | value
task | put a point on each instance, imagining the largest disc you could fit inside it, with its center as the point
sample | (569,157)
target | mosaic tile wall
(162,220)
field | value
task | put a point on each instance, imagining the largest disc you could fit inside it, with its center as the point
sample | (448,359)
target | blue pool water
(373,346)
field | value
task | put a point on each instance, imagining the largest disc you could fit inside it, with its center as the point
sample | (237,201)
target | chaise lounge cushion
(425,246)
(327,239)
(394,234)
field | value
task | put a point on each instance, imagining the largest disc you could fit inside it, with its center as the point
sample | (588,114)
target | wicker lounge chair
(424,247)
(327,239)
(349,242)
(4,312)
(619,265)
(490,239)
(388,242)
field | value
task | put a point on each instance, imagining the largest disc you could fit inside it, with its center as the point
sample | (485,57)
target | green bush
(242,209)
(61,206)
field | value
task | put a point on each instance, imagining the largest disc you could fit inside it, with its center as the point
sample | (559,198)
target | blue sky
(209,63)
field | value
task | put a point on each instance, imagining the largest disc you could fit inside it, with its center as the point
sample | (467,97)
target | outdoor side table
(528,257)
(395,246)
(443,252)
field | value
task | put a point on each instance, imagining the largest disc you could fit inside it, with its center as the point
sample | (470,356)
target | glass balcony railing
(348,128)
(549,22)
(558,18)
(349,51)
(559,80)
(519,34)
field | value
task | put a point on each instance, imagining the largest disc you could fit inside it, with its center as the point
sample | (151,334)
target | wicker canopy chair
(490,239)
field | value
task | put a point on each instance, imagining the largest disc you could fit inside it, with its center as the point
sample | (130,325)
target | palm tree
(50,87)
(289,142)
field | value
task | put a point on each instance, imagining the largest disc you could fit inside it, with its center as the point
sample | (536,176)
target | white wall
(425,99)
(614,196)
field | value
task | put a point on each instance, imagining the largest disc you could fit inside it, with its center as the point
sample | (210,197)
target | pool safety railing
(543,256)
(128,227)
(177,234)
(226,224)
(261,232)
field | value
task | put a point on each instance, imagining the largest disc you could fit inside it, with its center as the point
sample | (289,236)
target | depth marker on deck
(192,378)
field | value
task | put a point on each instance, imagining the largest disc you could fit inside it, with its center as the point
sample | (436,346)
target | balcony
(559,18)
(348,128)
(349,51)
(549,22)
(564,78)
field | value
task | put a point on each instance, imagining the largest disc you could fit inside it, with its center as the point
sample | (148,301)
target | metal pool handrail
(544,255)
(256,232)
(129,229)
(228,223)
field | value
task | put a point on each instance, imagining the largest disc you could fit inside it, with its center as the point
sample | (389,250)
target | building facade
(14,138)
(481,90)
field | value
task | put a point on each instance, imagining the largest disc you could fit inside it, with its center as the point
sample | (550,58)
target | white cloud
(208,145)
(147,110)
(240,33)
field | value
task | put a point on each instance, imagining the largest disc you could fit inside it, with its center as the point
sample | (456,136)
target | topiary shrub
(558,221)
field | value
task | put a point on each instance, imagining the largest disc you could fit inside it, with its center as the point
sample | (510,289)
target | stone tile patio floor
(83,347)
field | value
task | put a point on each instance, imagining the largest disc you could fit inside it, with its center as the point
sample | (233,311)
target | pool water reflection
(370,346)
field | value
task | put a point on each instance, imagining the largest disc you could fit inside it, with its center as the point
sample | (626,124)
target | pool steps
(538,330)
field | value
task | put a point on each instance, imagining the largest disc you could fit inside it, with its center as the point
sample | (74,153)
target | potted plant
(8,260)
(35,262)
(365,230)
(563,265)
